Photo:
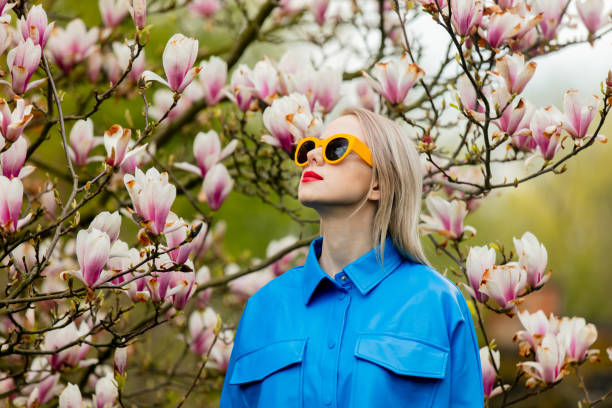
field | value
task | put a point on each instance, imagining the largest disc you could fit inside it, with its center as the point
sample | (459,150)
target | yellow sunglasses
(335,148)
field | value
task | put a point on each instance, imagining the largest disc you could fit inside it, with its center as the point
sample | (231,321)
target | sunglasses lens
(336,148)
(302,153)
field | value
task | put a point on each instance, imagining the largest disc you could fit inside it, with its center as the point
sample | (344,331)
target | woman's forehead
(343,124)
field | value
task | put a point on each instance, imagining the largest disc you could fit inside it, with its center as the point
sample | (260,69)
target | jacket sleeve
(230,396)
(466,372)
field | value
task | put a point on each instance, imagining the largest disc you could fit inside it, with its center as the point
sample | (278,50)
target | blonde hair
(397,167)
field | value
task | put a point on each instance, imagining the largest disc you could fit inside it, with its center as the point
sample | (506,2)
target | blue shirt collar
(364,272)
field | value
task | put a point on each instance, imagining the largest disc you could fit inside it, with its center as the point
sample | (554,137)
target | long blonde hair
(397,167)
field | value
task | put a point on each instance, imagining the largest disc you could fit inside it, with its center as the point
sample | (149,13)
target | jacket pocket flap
(257,364)
(403,355)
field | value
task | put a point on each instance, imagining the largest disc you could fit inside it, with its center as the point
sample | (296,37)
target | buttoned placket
(334,338)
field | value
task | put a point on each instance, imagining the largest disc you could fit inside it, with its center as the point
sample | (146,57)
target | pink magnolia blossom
(201,330)
(162,102)
(367,97)
(178,59)
(445,217)
(318,9)
(489,375)
(533,257)
(107,222)
(549,366)
(183,286)
(120,360)
(138,11)
(207,152)
(10,205)
(326,89)
(501,27)
(515,72)
(240,91)
(592,14)
(536,326)
(113,11)
(202,240)
(36,26)
(62,336)
(545,128)
(175,233)
(94,64)
(212,78)
(394,78)
(205,8)
(466,15)
(466,93)
(479,259)
(514,121)
(217,185)
(72,45)
(503,283)
(289,119)
(203,296)
(106,392)
(505,4)
(71,397)
(158,283)
(576,336)
(5,18)
(552,11)
(283,264)
(152,197)
(12,160)
(92,249)
(264,81)
(23,61)
(116,141)
(245,286)
(222,350)
(434,4)
(82,141)
(579,113)
(123,53)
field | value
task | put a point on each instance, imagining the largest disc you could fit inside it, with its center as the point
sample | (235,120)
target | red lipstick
(311,176)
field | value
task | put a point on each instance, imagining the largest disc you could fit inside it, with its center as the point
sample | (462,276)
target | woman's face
(342,184)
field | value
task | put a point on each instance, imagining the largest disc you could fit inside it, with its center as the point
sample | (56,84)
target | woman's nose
(315,156)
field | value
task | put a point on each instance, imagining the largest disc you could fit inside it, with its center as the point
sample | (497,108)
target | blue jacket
(398,337)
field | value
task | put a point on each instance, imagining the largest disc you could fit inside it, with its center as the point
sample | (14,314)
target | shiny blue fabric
(401,336)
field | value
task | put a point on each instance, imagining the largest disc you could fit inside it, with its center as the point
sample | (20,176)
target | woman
(365,322)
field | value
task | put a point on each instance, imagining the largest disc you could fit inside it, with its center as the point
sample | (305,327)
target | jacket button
(342,296)
(331,344)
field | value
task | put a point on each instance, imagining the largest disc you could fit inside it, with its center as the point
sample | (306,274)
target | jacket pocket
(396,371)
(271,376)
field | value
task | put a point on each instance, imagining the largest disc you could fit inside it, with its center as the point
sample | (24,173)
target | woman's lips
(311,176)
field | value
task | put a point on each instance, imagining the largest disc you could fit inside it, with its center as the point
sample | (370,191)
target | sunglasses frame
(354,145)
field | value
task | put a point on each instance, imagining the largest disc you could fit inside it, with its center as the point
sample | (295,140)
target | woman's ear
(375,193)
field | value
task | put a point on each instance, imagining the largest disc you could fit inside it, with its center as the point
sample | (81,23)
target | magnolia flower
(106,392)
(264,82)
(545,128)
(36,26)
(71,46)
(159,281)
(489,375)
(207,152)
(575,335)
(205,8)
(113,11)
(183,286)
(592,15)
(549,366)
(120,361)
(446,218)
(10,205)
(82,141)
(152,197)
(109,223)
(178,59)
(94,64)
(201,330)
(245,286)
(5,18)
(552,11)
(578,113)
(221,351)
(13,122)
(12,160)
(163,100)
(241,92)
(92,249)
(65,334)
(217,185)
(138,11)
(514,121)
(289,119)
(203,297)
(175,233)
(479,260)
(326,89)
(533,257)
(466,15)
(536,326)
(212,77)
(123,53)
(394,78)
(283,264)
(116,141)
(515,73)
(71,397)
(23,61)
(367,97)
(503,283)
(318,8)
(501,27)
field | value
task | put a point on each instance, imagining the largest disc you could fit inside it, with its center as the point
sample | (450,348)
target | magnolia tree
(83,293)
